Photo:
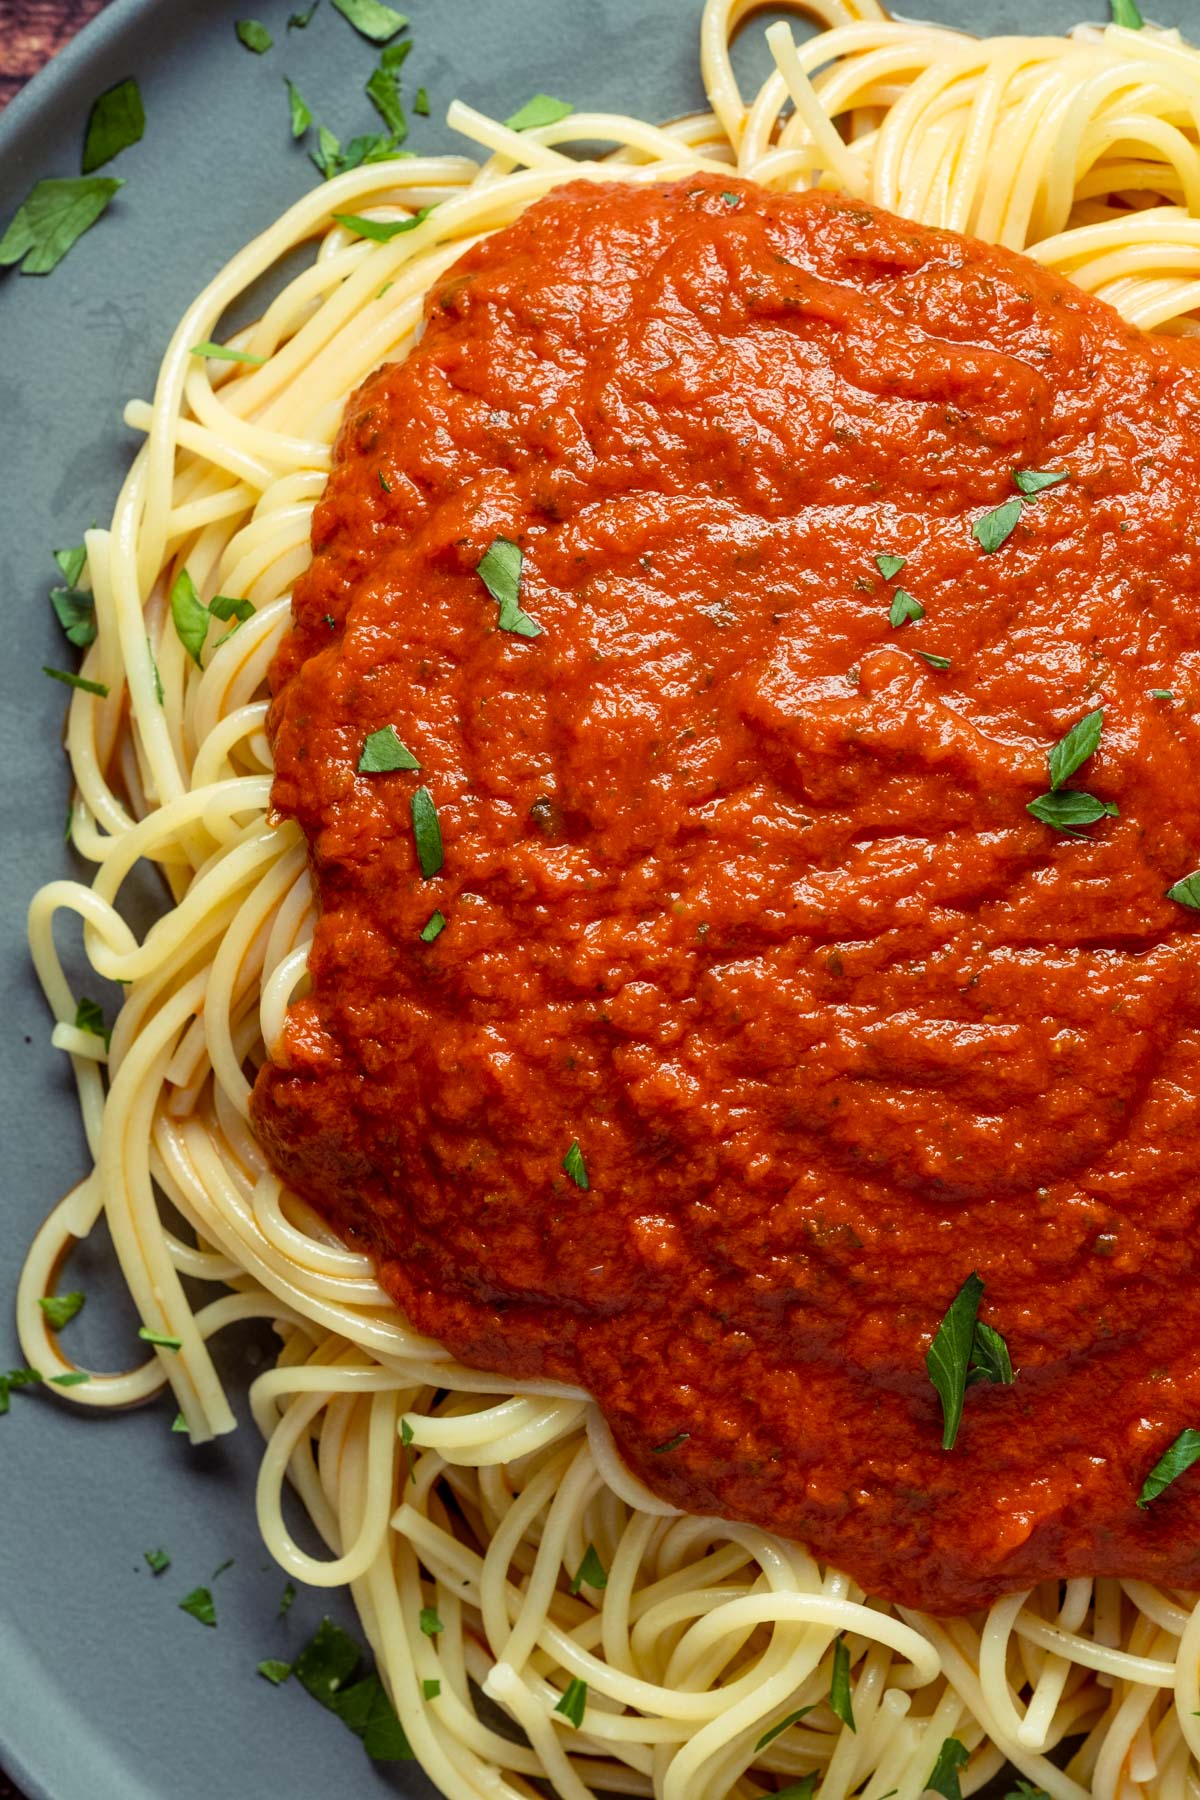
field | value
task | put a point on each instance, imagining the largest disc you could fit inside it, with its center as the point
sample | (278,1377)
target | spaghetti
(432,1484)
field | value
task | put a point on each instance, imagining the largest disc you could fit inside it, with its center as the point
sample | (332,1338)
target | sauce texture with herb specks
(762,1012)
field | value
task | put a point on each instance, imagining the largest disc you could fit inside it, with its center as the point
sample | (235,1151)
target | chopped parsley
(286,1599)
(962,1353)
(591,1572)
(298,107)
(935,662)
(430,1623)
(60,1309)
(324,1667)
(431,1688)
(802,1790)
(839,1685)
(943,1777)
(89,1017)
(223,353)
(382,753)
(890,566)
(903,608)
(159,1339)
(189,615)
(158,1561)
(72,563)
(117,119)
(1035,481)
(53,216)
(383,90)
(254,36)
(76,613)
(1073,750)
(1125,12)
(1178,1457)
(542,109)
(76,681)
(1158,693)
(433,927)
(778,1729)
(274,1671)
(373,20)
(573,1702)
(573,1166)
(298,21)
(427,833)
(226,607)
(499,568)
(1025,1790)
(672,1443)
(996,527)
(421,103)
(382,231)
(1187,891)
(179,1423)
(200,1604)
(331,159)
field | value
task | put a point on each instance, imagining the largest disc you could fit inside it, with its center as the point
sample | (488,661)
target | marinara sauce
(740,888)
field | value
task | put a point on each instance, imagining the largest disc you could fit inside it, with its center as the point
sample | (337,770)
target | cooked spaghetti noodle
(430,1483)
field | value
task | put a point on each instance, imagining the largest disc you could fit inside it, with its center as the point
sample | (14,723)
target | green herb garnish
(996,527)
(60,1309)
(373,20)
(1187,891)
(500,570)
(1070,809)
(254,36)
(117,119)
(590,1571)
(382,231)
(542,109)
(76,613)
(990,1360)
(298,107)
(935,662)
(223,353)
(1073,750)
(1171,1464)
(433,927)
(421,103)
(76,681)
(89,1017)
(159,1338)
(943,1777)
(53,216)
(274,1671)
(1162,694)
(200,1604)
(158,1560)
(948,1358)
(573,1165)
(890,566)
(299,21)
(431,1688)
(427,833)
(777,1730)
(903,608)
(72,563)
(573,1702)
(189,615)
(839,1685)
(802,1790)
(1125,12)
(226,607)
(1025,1790)
(179,1423)
(673,1443)
(382,753)
(1035,481)
(430,1623)
(286,1598)
(383,90)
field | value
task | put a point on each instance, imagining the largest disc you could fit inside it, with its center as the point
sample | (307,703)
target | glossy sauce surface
(741,892)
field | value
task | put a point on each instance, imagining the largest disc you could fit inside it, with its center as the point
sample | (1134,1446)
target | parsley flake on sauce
(373,20)
(499,568)
(1069,810)
(433,927)
(1187,891)
(117,119)
(60,1309)
(935,662)
(1177,1458)
(1125,12)
(839,1686)
(1162,694)
(778,1729)
(672,1443)
(990,1360)
(383,752)
(158,1561)
(223,353)
(1073,750)
(200,1604)
(427,833)
(903,608)
(574,1166)
(1035,481)
(542,109)
(159,1339)
(274,1671)
(948,1358)
(890,566)
(53,216)
(996,527)
(254,35)
(76,681)
(573,1702)
(382,231)
(943,1777)
(591,1572)
(189,615)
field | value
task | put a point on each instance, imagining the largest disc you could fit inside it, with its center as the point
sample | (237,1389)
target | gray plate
(107,1690)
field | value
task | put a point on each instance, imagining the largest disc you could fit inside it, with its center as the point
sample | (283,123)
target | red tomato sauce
(741,892)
